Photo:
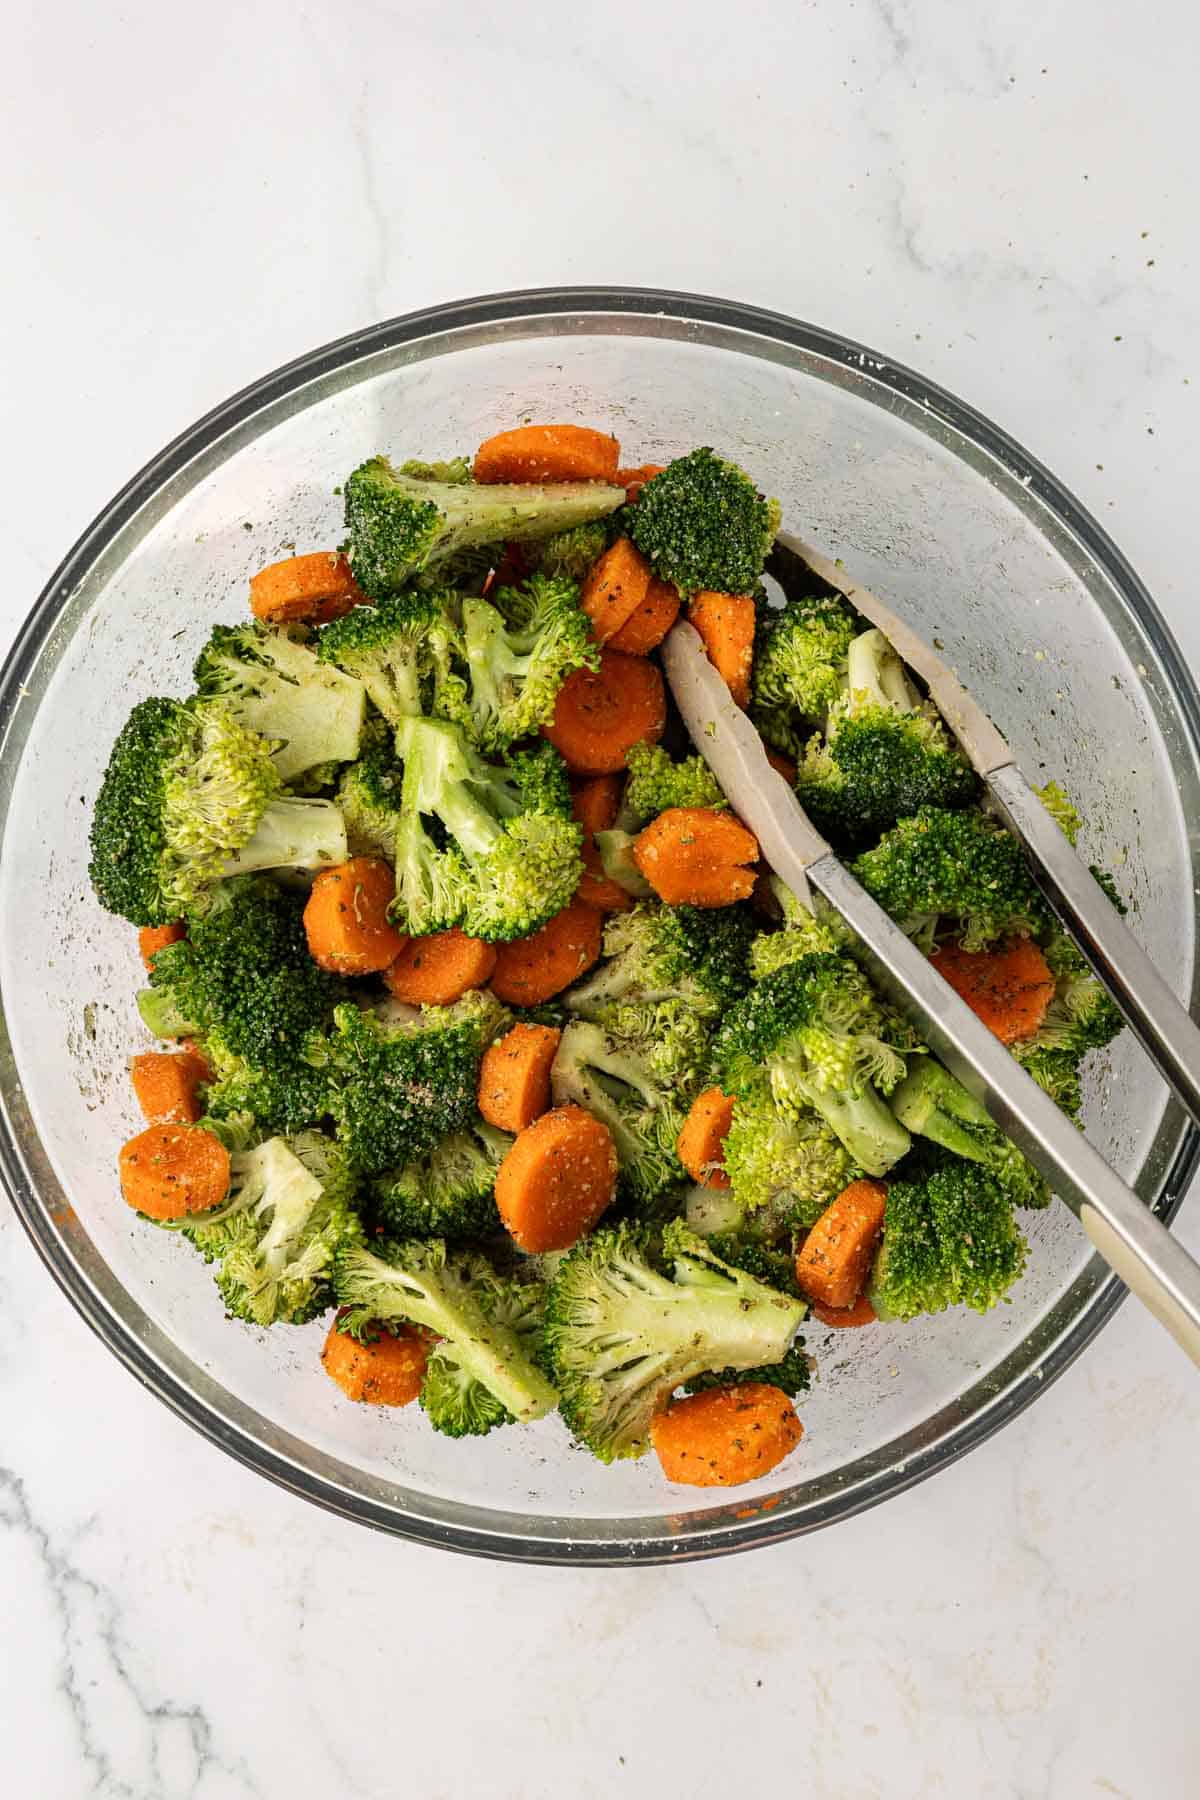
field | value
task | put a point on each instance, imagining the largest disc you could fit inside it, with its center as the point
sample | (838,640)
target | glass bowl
(928,504)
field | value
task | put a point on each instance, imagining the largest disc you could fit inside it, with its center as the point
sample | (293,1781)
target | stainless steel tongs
(1127,1235)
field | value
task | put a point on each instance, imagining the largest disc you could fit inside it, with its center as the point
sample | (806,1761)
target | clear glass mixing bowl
(928,504)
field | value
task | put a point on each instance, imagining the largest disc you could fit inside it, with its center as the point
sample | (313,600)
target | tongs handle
(1158,1019)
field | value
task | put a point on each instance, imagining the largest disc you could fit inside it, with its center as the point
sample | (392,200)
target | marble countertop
(1004,200)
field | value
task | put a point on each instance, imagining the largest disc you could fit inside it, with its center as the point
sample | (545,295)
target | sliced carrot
(594,804)
(726,623)
(514,1076)
(548,453)
(165,1086)
(315,588)
(388,1372)
(153,938)
(634,480)
(169,1171)
(557,1180)
(647,626)
(600,715)
(782,765)
(694,856)
(844,1318)
(614,588)
(346,920)
(832,1262)
(724,1436)
(1010,989)
(438,970)
(536,968)
(702,1140)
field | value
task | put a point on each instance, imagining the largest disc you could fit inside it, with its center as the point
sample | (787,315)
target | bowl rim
(761,1526)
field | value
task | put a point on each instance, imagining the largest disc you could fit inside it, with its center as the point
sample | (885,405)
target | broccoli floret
(407,1086)
(399,525)
(244,981)
(783,1169)
(612,1078)
(572,553)
(656,953)
(621,1336)
(882,753)
(656,782)
(449,1193)
(369,798)
(450,1293)
(274,685)
(506,680)
(513,857)
(802,934)
(1057,1071)
(456,470)
(399,650)
(1082,1016)
(702,523)
(190,797)
(453,1399)
(820,1039)
(950,1240)
(953,874)
(290,1205)
(1061,808)
(800,666)
(930,1103)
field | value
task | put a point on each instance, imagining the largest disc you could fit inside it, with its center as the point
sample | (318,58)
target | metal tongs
(1125,1232)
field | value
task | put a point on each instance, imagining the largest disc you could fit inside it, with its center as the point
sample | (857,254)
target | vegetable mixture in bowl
(493,1037)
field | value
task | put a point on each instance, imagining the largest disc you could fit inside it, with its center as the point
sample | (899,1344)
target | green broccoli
(615,847)
(802,933)
(513,856)
(290,1205)
(274,685)
(820,1039)
(1061,808)
(655,953)
(572,553)
(505,681)
(369,798)
(448,1193)
(455,1401)
(455,470)
(450,1293)
(702,523)
(405,1087)
(621,1336)
(1082,1016)
(244,981)
(953,874)
(800,666)
(612,1079)
(882,753)
(399,526)
(190,797)
(399,650)
(1057,1071)
(783,1168)
(656,782)
(931,1103)
(949,1240)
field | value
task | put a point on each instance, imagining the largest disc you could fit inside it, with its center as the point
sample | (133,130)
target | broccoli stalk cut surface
(400,525)
(949,1240)
(952,874)
(274,685)
(449,1193)
(621,1335)
(819,1039)
(800,667)
(189,797)
(451,1293)
(656,782)
(290,1207)
(507,679)
(513,856)
(931,1104)
(613,1081)
(883,752)
(405,1087)
(702,524)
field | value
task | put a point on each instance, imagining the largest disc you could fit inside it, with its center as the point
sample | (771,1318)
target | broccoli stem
(930,1103)
(161,1015)
(863,1122)
(874,671)
(293,834)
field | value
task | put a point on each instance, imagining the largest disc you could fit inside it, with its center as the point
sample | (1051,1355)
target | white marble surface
(1005,198)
